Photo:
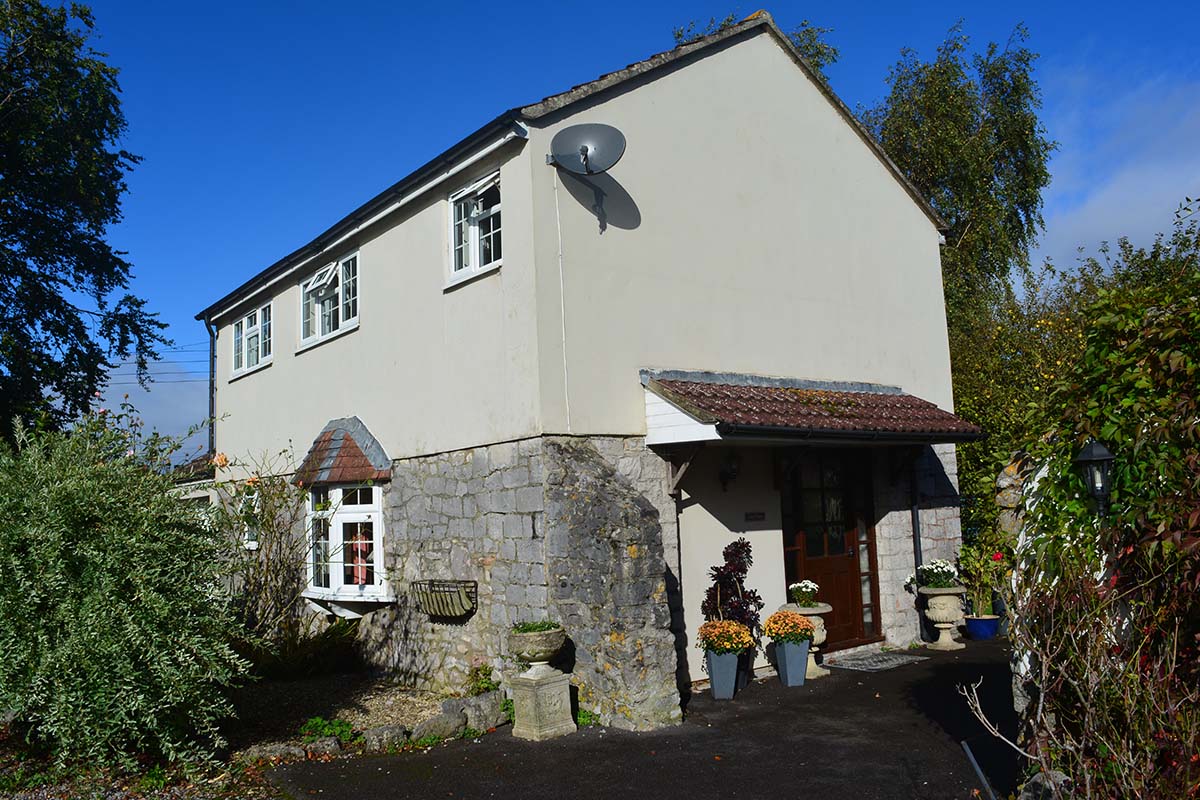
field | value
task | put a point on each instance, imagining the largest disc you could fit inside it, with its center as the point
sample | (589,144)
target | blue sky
(263,123)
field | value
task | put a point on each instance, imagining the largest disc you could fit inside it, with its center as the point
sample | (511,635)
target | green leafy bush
(321,728)
(117,624)
(586,719)
(481,680)
(1106,610)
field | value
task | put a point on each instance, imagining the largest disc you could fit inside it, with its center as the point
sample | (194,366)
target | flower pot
(537,647)
(983,627)
(722,674)
(745,668)
(791,661)
(944,610)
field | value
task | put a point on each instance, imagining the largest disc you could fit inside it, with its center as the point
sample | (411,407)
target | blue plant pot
(722,674)
(983,628)
(791,661)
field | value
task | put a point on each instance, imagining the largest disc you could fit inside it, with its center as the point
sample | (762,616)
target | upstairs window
(345,534)
(329,300)
(252,340)
(475,239)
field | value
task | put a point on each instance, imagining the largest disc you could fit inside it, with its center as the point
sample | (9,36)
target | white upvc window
(329,300)
(475,238)
(345,536)
(252,340)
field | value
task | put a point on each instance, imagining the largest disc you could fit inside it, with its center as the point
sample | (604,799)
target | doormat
(872,662)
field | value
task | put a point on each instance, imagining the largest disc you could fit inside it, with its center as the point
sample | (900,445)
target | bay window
(345,534)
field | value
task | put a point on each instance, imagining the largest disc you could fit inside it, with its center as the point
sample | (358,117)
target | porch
(849,485)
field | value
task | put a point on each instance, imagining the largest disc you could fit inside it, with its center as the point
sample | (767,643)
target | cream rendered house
(574,392)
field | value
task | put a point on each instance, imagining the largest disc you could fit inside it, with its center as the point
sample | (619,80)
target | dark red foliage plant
(728,597)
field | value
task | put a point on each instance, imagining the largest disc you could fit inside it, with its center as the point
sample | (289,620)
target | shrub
(727,597)
(788,626)
(117,626)
(1106,612)
(320,728)
(481,680)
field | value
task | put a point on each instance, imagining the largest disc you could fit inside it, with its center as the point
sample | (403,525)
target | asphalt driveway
(853,735)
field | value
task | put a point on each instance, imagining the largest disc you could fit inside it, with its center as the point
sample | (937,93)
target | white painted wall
(770,239)
(711,518)
(428,370)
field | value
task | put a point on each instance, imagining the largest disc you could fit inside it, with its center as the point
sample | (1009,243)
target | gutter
(890,437)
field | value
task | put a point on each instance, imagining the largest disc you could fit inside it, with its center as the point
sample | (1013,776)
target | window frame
(473,246)
(336,514)
(321,279)
(264,325)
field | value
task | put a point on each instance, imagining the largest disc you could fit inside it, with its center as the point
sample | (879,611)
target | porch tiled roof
(803,410)
(344,452)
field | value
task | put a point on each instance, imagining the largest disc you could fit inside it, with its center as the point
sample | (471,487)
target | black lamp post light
(1095,461)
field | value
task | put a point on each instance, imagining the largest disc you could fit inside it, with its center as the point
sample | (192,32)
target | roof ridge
(766,381)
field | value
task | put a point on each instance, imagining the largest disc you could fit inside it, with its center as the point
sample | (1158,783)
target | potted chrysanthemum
(804,593)
(723,641)
(939,582)
(792,633)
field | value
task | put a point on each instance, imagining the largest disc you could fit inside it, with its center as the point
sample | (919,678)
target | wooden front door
(828,538)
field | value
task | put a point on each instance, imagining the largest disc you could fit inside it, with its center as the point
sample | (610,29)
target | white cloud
(1127,158)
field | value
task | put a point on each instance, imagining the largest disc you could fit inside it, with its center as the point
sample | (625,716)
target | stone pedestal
(541,704)
(944,609)
(813,614)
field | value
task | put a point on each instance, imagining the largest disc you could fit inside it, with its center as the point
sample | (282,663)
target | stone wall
(606,565)
(481,514)
(941,535)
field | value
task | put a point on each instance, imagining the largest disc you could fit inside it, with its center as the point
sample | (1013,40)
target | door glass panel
(831,475)
(868,620)
(836,534)
(814,543)
(866,589)
(811,507)
(835,507)
(864,557)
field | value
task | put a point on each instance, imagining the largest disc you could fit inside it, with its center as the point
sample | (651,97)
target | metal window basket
(447,599)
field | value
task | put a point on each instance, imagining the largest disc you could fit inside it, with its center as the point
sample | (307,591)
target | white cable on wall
(562,304)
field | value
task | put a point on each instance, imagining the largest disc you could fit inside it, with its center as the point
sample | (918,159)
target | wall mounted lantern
(730,468)
(1095,462)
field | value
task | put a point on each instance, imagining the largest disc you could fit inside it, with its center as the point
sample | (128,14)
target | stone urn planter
(944,610)
(813,613)
(541,694)
(537,647)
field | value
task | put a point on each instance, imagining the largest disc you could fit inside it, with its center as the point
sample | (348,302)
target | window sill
(237,376)
(458,279)
(347,606)
(342,331)
(374,594)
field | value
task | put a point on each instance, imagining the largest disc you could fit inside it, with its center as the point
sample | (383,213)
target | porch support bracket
(679,469)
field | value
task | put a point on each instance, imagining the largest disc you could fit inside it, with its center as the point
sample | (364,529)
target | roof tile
(814,410)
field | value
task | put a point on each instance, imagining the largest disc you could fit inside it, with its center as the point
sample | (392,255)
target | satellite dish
(587,149)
